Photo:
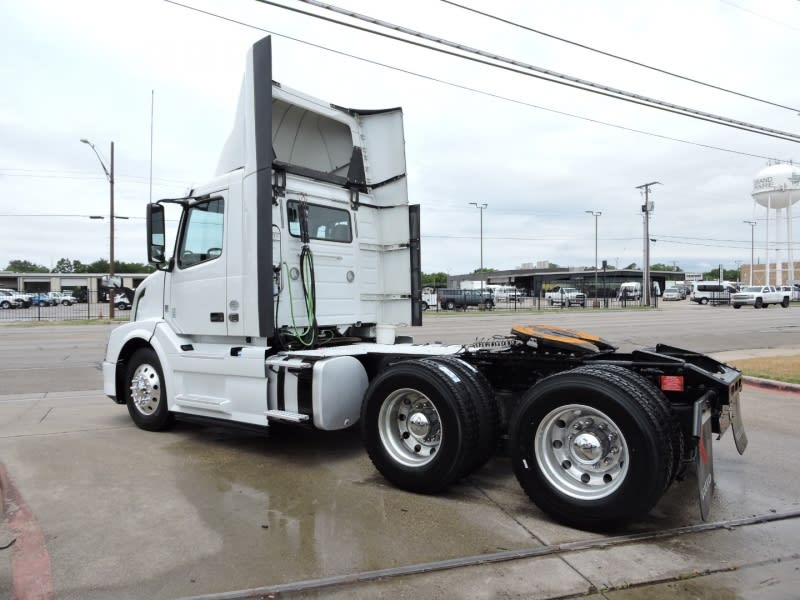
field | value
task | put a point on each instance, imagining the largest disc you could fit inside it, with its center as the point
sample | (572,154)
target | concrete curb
(771,384)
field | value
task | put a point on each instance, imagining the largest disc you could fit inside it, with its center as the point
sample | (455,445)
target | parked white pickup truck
(565,296)
(760,296)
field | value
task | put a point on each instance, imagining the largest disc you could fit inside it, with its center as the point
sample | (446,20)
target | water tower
(777,187)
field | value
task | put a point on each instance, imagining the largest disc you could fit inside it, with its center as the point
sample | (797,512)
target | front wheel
(591,448)
(423,305)
(5,304)
(488,305)
(146,393)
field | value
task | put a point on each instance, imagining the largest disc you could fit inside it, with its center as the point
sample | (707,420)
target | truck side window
(202,236)
(324,223)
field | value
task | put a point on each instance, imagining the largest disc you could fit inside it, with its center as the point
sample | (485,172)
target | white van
(711,292)
(630,290)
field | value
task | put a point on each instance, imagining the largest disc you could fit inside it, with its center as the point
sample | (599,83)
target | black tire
(486,407)
(785,302)
(662,405)
(488,305)
(444,444)
(758,303)
(737,306)
(5,304)
(614,470)
(450,305)
(552,302)
(704,301)
(66,303)
(148,405)
(424,305)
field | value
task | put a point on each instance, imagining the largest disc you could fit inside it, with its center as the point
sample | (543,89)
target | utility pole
(110,176)
(647,208)
(595,214)
(752,246)
(481,207)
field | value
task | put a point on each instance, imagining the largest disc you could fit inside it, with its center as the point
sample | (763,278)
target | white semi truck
(277,302)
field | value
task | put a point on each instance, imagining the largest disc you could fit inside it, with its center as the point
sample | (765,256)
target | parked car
(14,299)
(41,299)
(760,296)
(63,298)
(452,299)
(121,302)
(792,290)
(672,293)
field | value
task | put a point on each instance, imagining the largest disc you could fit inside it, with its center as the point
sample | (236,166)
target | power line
(752,12)
(616,56)
(530,70)
(468,88)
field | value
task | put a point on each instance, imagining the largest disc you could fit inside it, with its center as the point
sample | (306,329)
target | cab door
(196,291)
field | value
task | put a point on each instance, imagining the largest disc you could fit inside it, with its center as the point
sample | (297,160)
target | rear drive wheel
(759,303)
(146,393)
(591,448)
(450,305)
(486,407)
(785,302)
(415,427)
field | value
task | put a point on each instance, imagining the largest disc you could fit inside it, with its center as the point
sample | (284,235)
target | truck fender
(122,342)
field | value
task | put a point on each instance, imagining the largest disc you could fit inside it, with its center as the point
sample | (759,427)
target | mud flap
(704,457)
(739,434)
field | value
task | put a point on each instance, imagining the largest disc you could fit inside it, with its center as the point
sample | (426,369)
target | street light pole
(595,214)
(481,207)
(752,247)
(647,208)
(110,177)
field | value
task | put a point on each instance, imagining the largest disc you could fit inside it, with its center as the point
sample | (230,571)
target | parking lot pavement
(126,513)
(131,514)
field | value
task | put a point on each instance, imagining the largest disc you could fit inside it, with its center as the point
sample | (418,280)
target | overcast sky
(86,69)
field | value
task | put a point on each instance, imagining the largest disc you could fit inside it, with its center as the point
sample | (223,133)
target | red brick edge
(30,562)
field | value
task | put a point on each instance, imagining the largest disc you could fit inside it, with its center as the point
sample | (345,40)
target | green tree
(24,266)
(631,266)
(64,265)
(98,266)
(663,267)
(434,279)
(485,270)
(133,267)
(727,275)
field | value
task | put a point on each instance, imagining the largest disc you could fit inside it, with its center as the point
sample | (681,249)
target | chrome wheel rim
(581,452)
(146,389)
(410,427)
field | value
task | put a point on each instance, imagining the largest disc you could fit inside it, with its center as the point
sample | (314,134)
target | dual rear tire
(427,423)
(595,447)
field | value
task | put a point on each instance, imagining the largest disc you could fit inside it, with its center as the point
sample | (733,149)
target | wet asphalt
(197,510)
